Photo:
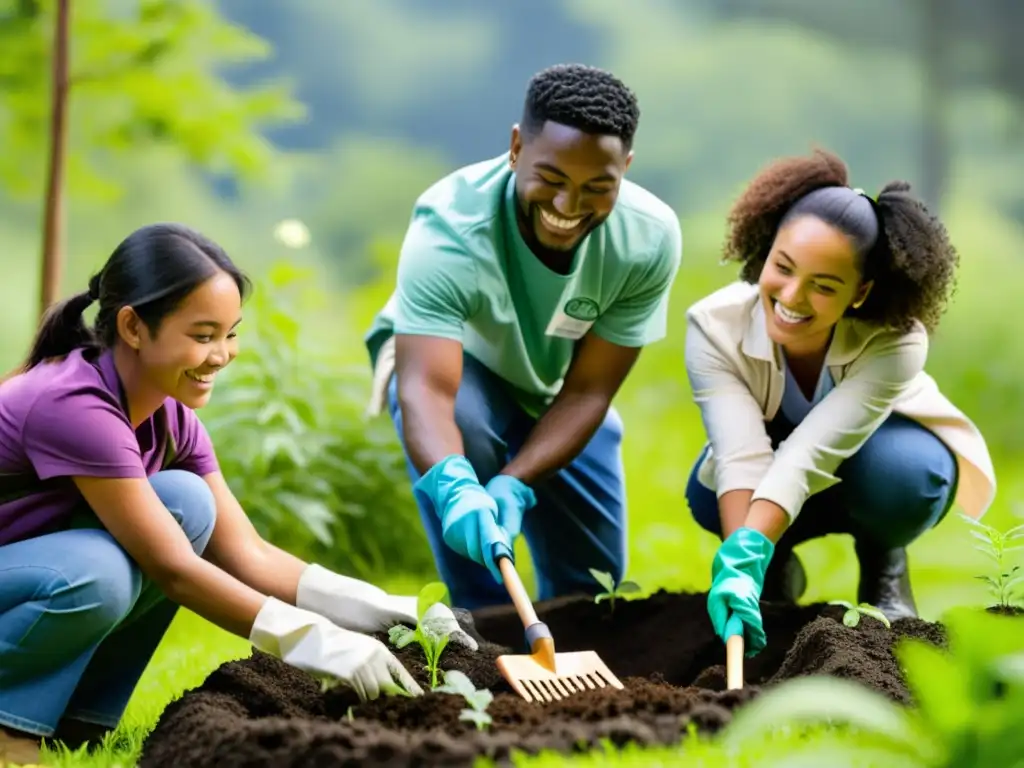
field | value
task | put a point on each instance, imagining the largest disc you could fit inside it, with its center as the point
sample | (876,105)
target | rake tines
(575,673)
(544,675)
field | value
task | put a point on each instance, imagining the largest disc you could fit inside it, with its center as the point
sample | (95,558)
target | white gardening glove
(308,641)
(362,607)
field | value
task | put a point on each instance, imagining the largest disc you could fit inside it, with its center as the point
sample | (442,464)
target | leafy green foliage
(432,636)
(612,590)
(313,475)
(1005,578)
(853,613)
(458,683)
(150,74)
(970,702)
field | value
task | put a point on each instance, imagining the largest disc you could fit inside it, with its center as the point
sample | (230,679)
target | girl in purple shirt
(113,511)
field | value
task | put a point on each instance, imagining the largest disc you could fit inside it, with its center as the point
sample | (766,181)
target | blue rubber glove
(514,497)
(468,514)
(737,578)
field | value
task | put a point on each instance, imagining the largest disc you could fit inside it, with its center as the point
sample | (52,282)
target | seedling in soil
(431,635)
(612,590)
(996,545)
(478,700)
(853,613)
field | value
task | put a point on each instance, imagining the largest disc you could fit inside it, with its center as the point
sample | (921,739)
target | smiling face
(810,279)
(193,343)
(567,182)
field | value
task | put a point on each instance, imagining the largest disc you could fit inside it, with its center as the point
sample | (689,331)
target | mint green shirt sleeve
(436,282)
(640,316)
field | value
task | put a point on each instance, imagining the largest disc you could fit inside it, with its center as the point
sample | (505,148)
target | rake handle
(517,591)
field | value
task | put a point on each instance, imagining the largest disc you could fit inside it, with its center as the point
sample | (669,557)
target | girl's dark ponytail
(63,329)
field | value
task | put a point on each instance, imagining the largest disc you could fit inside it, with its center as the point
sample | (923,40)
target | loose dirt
(261,712)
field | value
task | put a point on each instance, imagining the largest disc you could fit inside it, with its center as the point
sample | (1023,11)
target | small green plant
(478,700)
(611,589)
(853,613)
(431,635)
(997,546)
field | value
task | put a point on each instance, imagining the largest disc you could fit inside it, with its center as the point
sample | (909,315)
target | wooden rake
(544,675)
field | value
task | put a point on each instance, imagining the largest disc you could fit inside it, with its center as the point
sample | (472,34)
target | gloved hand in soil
(310,642)
(363,607)
(737,578)
(514,498)
(468,513)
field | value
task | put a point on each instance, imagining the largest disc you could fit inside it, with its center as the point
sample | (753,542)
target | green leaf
(457,683)
(628,588)
(312,513)
(851,618)
(479,700)
(434,592)
(940,685)
(401,635)
(480,719)
(598,598)
(826,700)
(874,613)
(604,579)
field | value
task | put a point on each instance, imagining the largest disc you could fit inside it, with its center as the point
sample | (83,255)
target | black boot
(885,580)
(785,580)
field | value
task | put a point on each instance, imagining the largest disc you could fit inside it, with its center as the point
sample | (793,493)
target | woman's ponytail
(63,329)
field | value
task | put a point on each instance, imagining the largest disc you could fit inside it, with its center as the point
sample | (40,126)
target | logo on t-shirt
(581,308)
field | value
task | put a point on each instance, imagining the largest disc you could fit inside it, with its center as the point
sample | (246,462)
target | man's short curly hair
(904,248)
(582,97)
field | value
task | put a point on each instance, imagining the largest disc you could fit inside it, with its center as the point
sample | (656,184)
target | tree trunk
(53,212)
(937,63)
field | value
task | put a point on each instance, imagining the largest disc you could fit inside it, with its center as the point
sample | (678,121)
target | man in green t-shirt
(527,285)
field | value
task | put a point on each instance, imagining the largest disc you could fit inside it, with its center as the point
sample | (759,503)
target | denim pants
(897,486)
(78,620)
(579,521)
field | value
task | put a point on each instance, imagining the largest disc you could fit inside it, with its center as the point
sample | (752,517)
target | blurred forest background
(334,115)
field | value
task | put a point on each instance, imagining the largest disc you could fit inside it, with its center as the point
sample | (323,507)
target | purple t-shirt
(68,418)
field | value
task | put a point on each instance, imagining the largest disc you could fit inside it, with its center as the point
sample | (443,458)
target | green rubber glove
(737,578)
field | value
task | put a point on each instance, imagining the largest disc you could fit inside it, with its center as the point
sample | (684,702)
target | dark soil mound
(261,712)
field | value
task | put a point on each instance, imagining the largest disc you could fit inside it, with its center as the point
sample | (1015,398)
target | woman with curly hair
(809,375)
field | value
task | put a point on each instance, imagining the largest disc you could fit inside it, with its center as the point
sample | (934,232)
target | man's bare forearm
(428,426)
(559,436)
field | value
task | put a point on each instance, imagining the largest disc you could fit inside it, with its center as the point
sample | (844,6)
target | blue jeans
(579,521)
(897,486)
(78,620)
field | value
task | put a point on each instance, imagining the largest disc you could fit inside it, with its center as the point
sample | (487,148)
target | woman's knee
(189,499)
(902,482)
(91,583)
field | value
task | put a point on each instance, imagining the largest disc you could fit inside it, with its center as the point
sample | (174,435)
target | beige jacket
(737,381)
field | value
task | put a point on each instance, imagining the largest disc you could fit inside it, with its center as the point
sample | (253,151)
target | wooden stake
(53,212)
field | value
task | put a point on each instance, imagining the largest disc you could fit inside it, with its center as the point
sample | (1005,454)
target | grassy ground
(670,554)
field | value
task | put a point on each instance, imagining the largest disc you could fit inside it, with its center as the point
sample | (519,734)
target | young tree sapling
(612,590)
(853,613)
(432,632)
(997,546)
